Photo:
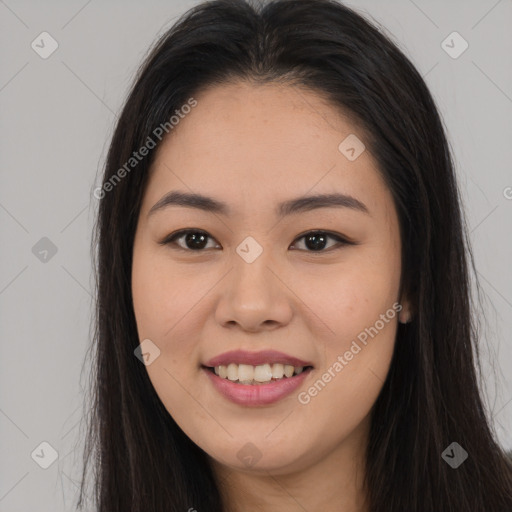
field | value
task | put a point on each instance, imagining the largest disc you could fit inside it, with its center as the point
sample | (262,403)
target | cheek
(165,304)
(363,321)
(165,296)
(348,299)
(168,316)
(359,306)
(346,388)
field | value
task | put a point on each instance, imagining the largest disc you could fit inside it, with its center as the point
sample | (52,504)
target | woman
(284,318)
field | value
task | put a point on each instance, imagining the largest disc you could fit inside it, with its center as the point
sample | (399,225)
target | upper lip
(255,358)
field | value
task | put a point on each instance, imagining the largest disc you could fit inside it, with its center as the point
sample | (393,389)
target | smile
(255,393)
(256,375)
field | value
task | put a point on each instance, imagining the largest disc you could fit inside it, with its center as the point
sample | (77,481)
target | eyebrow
(289,207)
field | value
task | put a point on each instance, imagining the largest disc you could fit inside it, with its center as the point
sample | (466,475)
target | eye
(196,240)
(316,240)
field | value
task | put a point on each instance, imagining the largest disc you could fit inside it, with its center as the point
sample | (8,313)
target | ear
(405,315)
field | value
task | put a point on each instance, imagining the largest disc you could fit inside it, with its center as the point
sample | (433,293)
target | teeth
(245,373)
(277,370)
(261,374)
(232,371)
(288,370)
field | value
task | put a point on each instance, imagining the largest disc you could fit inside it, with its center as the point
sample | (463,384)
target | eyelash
(170,240)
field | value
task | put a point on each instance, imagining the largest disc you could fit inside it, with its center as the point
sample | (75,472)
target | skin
(253,146)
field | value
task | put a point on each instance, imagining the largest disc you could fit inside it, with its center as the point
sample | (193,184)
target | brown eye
(197,240)
(316,241)
(193,240)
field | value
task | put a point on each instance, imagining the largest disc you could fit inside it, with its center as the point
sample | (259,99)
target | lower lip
(257,394)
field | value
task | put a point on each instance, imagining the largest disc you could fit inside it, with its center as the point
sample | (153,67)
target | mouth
(259,378)
(263,389)
(250,375)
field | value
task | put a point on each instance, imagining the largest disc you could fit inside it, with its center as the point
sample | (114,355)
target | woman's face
(257,277)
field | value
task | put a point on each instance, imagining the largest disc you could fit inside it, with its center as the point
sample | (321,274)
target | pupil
(314,242)
(195,238)
(319,244)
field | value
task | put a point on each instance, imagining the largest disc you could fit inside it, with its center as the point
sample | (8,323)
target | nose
(254,296)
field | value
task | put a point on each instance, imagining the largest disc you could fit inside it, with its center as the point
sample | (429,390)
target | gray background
(56,122)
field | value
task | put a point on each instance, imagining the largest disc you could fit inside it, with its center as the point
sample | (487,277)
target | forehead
(254,143)
(261,120)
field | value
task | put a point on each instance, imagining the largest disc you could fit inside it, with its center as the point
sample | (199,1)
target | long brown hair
(142,460)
